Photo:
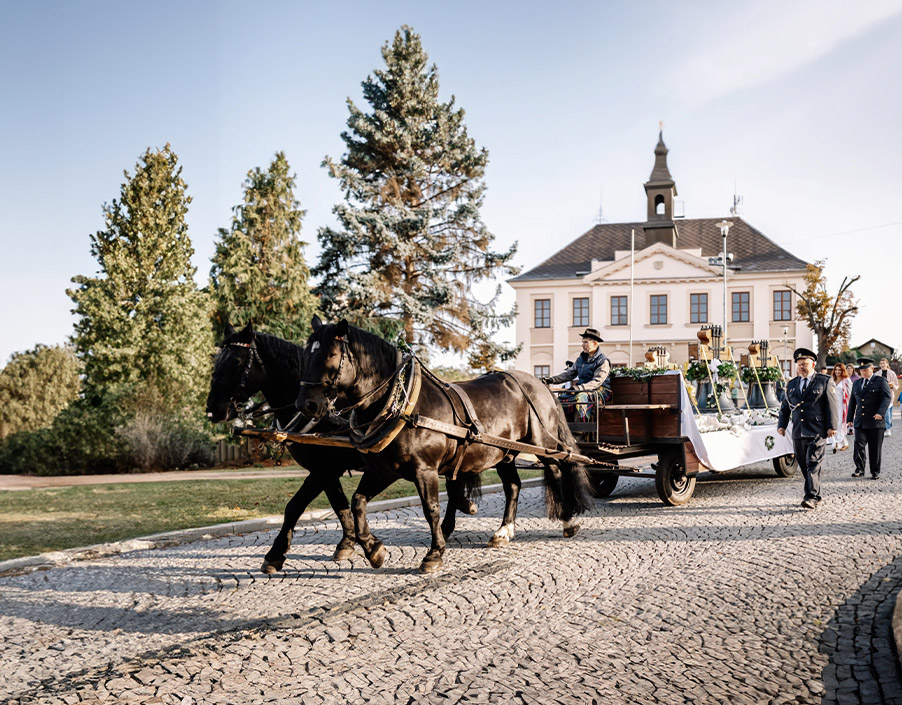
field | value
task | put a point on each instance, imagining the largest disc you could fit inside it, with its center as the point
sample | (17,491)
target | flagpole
(632,285)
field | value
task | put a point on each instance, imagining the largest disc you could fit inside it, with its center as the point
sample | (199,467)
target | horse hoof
(343,553)
(377,557)
(430,566)
(470,507)
(571,531)
(271,568)
(498,541)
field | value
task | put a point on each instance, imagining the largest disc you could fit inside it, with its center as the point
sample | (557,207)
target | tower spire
(660,190)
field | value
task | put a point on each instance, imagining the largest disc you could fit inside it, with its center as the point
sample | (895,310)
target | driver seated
(590,373)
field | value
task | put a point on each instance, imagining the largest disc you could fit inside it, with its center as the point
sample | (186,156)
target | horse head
(237,373)
(328,369)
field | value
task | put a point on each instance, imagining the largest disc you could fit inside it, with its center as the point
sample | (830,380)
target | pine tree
(143,329)
(412,242)
(259,273)
(35,386)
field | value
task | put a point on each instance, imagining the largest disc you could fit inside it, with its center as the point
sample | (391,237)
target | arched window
(660,207)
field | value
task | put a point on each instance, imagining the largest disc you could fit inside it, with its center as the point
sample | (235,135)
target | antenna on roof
(600,217)
(736,210)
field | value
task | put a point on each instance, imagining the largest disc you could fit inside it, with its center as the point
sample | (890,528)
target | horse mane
(287,354)
(375,356)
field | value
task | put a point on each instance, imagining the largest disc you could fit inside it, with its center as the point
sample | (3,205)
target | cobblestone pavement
(738,597)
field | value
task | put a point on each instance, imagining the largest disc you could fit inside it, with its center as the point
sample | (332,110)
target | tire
(603,483)
(673,485)
(786,465)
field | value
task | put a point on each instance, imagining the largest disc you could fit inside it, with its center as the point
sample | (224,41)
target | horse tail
(567,489)
(472,483)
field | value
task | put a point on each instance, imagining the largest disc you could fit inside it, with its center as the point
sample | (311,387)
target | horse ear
(247,333)
(341,330)
(229,330)
(316,323)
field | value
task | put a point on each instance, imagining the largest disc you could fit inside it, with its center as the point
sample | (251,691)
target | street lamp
(722,261)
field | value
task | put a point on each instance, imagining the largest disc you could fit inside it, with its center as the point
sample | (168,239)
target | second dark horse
(251,362)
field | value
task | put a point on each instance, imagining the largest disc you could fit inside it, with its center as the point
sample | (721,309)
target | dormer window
(660,206)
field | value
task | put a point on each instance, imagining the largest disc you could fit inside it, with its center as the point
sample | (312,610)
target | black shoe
(875,477)
(858,473)
(809,503)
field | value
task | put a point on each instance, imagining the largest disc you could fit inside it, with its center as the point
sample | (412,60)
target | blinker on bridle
(253,356)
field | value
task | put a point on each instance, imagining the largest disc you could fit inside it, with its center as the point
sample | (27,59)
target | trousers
(872,438)
(809,455)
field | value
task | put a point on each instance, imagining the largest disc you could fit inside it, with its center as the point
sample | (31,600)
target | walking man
(810,402)
(868,405)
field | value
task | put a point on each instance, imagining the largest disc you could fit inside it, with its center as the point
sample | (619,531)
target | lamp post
(722,261)
(724,230)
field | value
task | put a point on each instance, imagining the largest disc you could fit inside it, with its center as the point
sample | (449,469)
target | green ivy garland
(765,374)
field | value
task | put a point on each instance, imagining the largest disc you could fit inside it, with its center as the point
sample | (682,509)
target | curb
(897,628)
(53,559)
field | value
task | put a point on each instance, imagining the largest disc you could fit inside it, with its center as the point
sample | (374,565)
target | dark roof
(753,251)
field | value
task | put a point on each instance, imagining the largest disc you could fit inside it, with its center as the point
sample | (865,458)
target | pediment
(658,261)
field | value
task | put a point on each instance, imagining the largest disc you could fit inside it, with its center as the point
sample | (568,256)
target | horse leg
(309,490)
(510,478)
(342,509)
(456,501)
(371,484)
(427,486)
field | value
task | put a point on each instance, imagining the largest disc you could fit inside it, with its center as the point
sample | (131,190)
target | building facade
(657,283)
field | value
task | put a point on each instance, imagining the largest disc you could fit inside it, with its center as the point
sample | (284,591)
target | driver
(591,373)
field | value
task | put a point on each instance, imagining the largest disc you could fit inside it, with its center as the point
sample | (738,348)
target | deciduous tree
(411,243)
(828,316)
(259,273)
(35,386)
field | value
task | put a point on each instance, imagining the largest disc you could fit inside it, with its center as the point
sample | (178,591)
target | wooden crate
(645,425)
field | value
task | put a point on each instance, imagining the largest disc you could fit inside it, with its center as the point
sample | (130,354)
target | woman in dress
(843,392)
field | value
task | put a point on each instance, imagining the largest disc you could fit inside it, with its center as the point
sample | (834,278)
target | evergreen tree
(143,329)
(35,386)
(412,242)
(259,273)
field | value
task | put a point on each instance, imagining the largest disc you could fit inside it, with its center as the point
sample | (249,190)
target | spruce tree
(259,273)
(411,242)
(143,329)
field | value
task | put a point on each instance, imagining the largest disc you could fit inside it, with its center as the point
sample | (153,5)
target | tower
(660,190)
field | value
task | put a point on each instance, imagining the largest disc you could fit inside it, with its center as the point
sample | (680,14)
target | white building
(675,289)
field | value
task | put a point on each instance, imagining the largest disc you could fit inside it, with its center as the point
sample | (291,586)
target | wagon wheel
(786,465)
(674,486)
(603,483)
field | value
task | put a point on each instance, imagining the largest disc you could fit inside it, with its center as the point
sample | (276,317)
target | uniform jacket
(587,373)
(864,403)
(815,412)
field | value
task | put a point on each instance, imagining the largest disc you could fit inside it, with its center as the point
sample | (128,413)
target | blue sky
(797,104)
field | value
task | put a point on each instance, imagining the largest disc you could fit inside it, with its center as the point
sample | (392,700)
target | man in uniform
(810,401)
(868,405)
(591,372)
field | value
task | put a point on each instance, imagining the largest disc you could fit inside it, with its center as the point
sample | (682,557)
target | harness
(252,357)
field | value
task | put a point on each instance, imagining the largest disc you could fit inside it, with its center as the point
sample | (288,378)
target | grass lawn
(35,521)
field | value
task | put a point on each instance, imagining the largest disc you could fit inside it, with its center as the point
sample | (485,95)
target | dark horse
(251,362)
(344,362)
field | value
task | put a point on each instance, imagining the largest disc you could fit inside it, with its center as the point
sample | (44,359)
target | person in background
(590,373)
(843,392)
(810,401)
(867,410)
(851,373)
(893,380)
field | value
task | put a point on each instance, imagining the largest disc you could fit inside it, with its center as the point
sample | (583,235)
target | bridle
(252,357)
(332,384)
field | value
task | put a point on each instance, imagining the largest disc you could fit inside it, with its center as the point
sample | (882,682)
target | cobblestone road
(739,597)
